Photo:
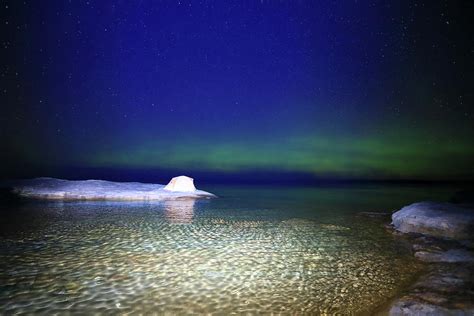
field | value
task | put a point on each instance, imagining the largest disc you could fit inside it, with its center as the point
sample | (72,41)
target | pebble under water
(277,251)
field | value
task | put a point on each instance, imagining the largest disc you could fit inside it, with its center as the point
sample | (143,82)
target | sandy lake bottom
(254,249)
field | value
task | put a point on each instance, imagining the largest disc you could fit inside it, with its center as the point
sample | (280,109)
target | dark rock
(467,243)
(374,214)
(442,235)
(452,255)
(410,306)
(463,197)
(444,290)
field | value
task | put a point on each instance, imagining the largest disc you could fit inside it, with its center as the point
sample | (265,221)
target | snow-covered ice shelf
(58,189)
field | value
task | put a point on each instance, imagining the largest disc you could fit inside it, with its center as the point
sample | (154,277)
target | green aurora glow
(327,89)
(369,157)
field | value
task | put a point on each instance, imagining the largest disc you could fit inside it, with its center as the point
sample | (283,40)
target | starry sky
(312,89)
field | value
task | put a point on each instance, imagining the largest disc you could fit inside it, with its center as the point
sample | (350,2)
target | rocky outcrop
(443,290)
(451,255)
(441,235)
(442,220)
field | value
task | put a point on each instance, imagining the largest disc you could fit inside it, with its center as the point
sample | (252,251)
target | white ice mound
(181,184)
(58,189)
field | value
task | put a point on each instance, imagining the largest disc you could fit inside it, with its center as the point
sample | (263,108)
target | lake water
(254,249)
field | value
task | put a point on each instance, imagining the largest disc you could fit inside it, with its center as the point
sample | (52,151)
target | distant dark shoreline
(250,177)
(280,182)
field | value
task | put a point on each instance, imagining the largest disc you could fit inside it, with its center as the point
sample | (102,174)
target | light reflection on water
(179,211)
(252,250)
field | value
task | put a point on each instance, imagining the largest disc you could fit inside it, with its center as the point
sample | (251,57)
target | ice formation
(58,189)
(181,184)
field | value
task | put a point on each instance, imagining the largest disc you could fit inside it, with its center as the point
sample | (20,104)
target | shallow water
(254,249)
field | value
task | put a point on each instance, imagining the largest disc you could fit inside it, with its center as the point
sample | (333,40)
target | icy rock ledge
(58,189)
(443,220)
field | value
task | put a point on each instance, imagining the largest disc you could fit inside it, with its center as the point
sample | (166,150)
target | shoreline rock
(451,256)
(441,235)
(442,220)
(446,289)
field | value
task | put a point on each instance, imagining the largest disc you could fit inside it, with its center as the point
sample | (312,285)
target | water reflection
(253,250)
(179,211)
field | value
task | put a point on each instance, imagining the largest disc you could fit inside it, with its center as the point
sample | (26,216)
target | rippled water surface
(253,249)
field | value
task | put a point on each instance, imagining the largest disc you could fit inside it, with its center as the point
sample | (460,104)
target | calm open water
(254,249)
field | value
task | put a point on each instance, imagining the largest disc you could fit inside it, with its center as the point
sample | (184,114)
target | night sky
(318,89)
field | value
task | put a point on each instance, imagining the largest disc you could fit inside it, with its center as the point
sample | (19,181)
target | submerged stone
(452,255)
(374,214)
(444,290)
(415,307)
(446,231)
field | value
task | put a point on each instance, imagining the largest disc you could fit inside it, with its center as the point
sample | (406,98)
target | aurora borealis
(364,90)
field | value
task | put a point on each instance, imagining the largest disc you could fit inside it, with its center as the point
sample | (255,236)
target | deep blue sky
(346,89)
